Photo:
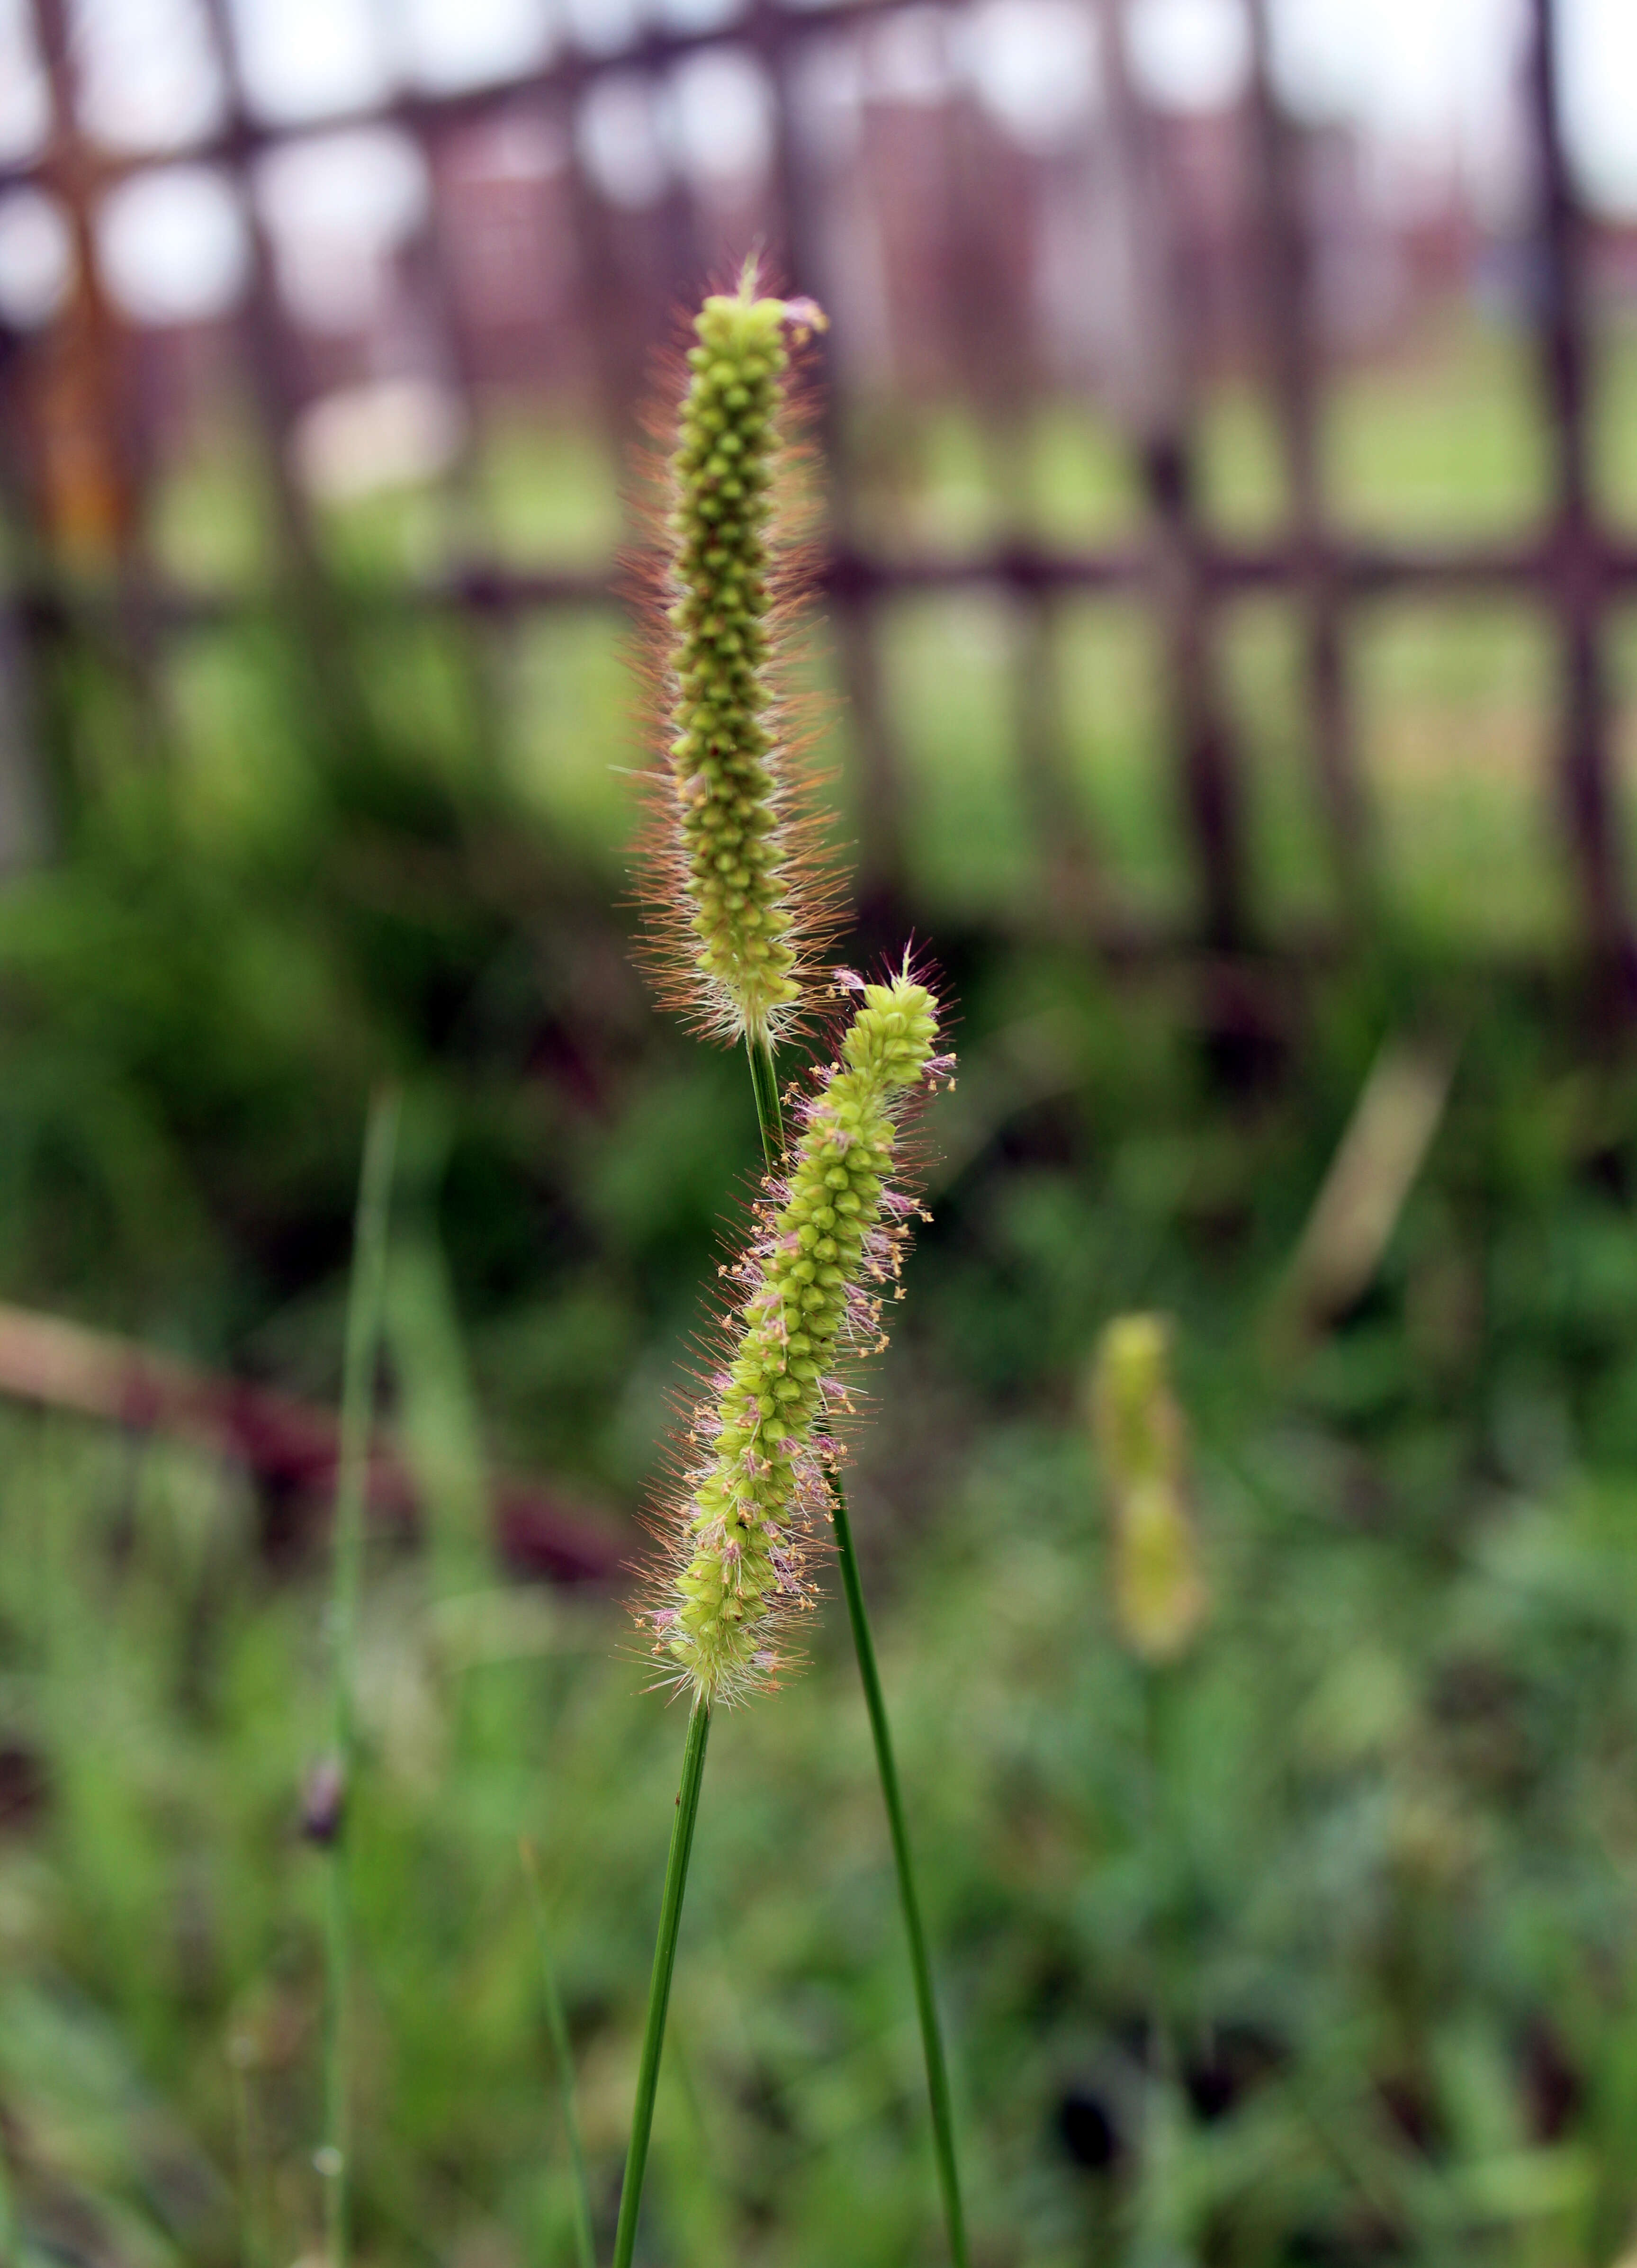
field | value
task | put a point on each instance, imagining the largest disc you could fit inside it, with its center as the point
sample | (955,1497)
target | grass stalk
(253,2246)
(365,1302)
(765,1080)
(908,1898)
(584,2243)
(659,1985)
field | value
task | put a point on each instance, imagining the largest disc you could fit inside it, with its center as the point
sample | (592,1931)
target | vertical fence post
(853,626)
(87,459)
(480,643)
(87,464)
(273,381)
(265,344)
(1577,552)
(1293,355)
(1157,389)
(990,323)
(426,269)
(87,435)
(600,292)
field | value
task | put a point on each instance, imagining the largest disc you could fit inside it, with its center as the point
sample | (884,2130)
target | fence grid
(1573,568)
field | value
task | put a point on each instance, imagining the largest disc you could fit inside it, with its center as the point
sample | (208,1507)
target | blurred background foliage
(1316,1945)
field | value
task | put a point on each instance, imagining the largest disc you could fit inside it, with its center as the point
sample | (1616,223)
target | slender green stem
(1160,2232)
(252,2250)
(764,1080)
(584,2241)
(659,1985)
(366,1299)
(932,2037)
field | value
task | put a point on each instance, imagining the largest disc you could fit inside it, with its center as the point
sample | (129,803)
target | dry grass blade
(1364,1193)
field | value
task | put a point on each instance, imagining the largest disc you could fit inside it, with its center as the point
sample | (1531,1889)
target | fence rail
(1573,568)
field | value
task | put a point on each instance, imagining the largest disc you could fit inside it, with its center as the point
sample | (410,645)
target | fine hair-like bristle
(736,892)
(739,1530)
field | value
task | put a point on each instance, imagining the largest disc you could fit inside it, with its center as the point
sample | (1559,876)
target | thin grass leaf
(583,2240)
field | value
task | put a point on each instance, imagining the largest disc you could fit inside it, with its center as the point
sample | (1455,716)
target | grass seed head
(737,893)
(1159,1598)
(825,1240)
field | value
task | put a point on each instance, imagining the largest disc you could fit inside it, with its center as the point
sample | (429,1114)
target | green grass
(1383,1871)
(1614,458)
(1451,442)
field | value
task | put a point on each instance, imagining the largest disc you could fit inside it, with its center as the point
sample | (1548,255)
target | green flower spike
(836,1227)
(1160,1597)
(737,900)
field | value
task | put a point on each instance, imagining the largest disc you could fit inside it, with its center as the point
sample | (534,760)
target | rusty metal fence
(1574,567)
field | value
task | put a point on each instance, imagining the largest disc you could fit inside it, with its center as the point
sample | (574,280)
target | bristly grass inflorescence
(735,892)
(1160,1597)
(823,1237)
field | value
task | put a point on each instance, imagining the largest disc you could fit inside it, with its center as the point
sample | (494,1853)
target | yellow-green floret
(723,754)
(1160,1596)
(835,1228)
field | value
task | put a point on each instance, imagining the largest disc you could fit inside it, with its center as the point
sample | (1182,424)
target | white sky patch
(24,99)
(721,110)
(148,77)
(480,42)
(308,58)
(173,246)
(1034,63)
(1600,98)
(1189,54)
(602,27)
(1408,67)
(620,140)
(337,207)
(36,258)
